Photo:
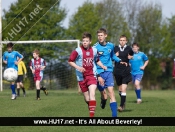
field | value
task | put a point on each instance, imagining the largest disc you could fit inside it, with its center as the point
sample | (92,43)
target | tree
(37,20)
(112,18)
(86,19)
(151,34)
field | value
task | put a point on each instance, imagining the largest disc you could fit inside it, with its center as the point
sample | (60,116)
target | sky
(168,7)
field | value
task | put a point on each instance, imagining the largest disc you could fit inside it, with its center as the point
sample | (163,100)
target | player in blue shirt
(138,64)
(10,58)
(105,77)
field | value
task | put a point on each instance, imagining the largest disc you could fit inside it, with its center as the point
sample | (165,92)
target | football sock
(119,92)
(13,88)
(138,93)
(23,89)
(113,106)
(38,93)
(42,88)
(18,91)
(123,99)
(92,106)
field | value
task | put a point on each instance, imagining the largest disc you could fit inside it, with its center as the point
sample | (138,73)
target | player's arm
(43,65)
(4,59)
(24,68)
(72,63)
(145,58)
(130,54)
(145,64)
(114,56)
(101,65)
(31,68)
(20,58)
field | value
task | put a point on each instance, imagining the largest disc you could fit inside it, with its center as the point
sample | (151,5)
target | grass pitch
(70,104)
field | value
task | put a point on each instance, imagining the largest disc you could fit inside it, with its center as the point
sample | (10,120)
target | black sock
(18,91)
(119,92)
(123,99)
(42,88)
(23,89)
(38,93)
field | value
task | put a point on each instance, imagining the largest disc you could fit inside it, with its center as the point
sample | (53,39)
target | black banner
(85,121)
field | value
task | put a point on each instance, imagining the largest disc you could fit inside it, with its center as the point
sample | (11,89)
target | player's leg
(21,85)
(125,80)
(85,91)
(37,83)
(123,97)
(13,90)
(18,89)
(92,101)
(138,79)
(102,92)
(44,90)
(23,89)
(109,83)
(103,98)
(18,85)
(113,103)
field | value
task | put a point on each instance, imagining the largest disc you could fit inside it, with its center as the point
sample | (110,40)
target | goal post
(46,47)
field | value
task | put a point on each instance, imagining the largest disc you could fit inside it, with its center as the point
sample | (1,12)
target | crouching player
(138,64)
(84,60)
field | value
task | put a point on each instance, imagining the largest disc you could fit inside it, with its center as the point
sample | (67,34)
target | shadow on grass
(136,101)
(127,110)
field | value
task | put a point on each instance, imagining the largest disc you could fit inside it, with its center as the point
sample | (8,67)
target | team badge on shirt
(88,53)
(139,57)
(109,50)
(100,52)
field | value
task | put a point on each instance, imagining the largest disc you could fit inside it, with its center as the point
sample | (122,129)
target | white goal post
(29,42)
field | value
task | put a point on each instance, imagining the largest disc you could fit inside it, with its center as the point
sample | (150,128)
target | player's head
(86,39)
(10,47)
(135,47)
(102,34)
(123,40)
(36,53)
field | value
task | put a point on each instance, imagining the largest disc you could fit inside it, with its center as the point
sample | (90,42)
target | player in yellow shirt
(21,71)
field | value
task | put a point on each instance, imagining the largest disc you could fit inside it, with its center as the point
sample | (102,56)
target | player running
(21,71)
(105,77)
(37,66)
(122,73)
(10,58)
(84,59)
(138,64)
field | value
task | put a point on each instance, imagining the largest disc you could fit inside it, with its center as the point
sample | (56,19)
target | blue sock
(138,93)
(113,106)
(13,88)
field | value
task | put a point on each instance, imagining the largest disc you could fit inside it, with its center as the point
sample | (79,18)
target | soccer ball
(10,74)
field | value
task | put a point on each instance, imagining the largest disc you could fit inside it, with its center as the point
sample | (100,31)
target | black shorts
(123,79)
(19,79)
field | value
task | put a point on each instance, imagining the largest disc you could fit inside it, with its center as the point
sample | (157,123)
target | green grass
(69,104)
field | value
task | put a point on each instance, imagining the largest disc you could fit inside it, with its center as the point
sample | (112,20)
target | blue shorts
(108,78)
(137,77)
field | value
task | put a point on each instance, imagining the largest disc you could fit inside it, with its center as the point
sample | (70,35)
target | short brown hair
(135,44)
(102,30)
(87,35)
(36,51)
(123,36)
(10,44)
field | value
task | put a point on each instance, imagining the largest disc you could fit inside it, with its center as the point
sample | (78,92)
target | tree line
(140,21)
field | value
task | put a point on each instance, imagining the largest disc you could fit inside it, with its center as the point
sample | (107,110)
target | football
(10,74)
